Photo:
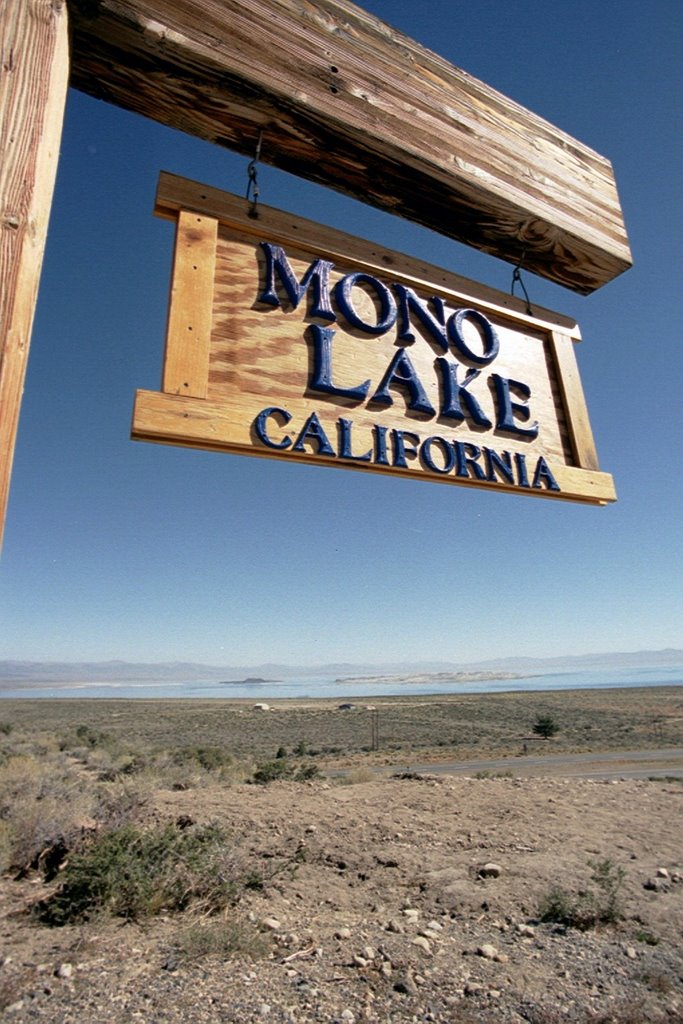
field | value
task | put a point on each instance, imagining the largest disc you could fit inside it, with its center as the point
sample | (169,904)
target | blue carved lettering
(318,273)
(544,477)
(436,325)
(260,425)
(321,379)
(314,432)
(508,409)
(498,464)
(380,436)
(399,438)
(466,456)
(402,372)
(386,318)
(446,451)
(520,462)
(345,448)
(487,332)
(453,393)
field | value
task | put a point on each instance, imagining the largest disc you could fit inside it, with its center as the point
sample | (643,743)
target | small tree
(546,726)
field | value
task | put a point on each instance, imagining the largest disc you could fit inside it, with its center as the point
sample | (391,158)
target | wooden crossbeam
(345,100)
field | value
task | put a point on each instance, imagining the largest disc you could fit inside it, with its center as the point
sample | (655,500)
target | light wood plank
(581,434)
(34,65)
(346,100)
(206,424)
(188,339)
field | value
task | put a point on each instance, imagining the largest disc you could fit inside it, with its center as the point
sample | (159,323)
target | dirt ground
(410,897)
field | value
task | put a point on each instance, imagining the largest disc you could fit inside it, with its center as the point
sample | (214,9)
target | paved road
(613,764)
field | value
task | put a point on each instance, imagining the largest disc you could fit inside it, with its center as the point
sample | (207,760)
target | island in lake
(432,677)
(249,681)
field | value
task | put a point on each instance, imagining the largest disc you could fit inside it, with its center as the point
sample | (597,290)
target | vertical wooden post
(34,70)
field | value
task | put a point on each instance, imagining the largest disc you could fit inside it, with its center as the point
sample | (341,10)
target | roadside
(623,764)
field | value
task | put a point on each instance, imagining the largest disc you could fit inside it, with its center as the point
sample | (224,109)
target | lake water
(331,688)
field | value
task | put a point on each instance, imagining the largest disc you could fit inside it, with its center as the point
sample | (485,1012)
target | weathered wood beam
(34,70)
(345,100)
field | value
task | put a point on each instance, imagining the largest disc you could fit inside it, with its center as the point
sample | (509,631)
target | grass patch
(223,940)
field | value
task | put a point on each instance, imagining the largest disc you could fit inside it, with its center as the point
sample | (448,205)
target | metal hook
(252,184)
(517,277)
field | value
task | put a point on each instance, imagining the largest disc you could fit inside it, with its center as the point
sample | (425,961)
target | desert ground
(325,868)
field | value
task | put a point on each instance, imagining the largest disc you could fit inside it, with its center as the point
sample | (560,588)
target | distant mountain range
(31,672)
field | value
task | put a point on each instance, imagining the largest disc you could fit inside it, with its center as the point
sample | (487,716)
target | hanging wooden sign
(294,341)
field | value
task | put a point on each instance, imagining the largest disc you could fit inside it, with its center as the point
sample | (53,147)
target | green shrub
(91,737)
(281,768)
(135,874)
(546,726)
(209,758)
(271,771)
(589,908)
(609,878)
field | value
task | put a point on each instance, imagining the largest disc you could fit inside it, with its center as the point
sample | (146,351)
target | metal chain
(517,278)
(252,184)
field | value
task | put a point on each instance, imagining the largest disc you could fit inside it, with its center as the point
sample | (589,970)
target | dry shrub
(357,776)
(44,810)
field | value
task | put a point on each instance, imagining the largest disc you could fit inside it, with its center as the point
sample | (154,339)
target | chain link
(517,279)
(252,175)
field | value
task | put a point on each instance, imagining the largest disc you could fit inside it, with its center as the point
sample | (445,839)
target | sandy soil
(377,906)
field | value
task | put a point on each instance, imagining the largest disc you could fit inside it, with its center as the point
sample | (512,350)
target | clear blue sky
(116,549)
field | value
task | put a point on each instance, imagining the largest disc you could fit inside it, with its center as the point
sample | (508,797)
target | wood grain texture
(345,100)
(581,433)
(188,337)
(34,65)
(175,194)
(193,423)
(264,349)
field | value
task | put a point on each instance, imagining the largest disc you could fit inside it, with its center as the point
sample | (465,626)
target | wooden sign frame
(473,389)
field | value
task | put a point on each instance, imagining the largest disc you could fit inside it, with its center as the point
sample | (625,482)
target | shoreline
(325,700)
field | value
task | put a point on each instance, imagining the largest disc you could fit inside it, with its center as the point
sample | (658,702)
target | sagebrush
(135,873)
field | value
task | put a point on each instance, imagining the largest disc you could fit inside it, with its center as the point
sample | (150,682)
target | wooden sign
(293,341)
